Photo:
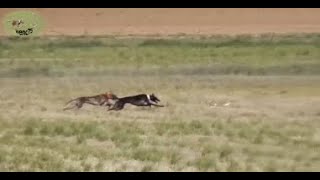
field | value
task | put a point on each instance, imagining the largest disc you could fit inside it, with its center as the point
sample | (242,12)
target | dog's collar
(148,96)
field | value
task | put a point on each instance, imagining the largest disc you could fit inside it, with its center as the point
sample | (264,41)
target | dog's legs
(67,108)
(72,107)
(102,103)
(109,107)
(115,109)
(157,105)
(118,106)
(79,105)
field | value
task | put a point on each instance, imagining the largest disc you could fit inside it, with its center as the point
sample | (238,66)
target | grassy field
(248,55)
(271,124)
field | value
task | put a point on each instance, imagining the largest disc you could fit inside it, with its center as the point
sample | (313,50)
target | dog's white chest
(149,99)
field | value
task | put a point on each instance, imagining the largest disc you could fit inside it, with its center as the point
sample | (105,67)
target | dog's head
(154,98)
(111,95)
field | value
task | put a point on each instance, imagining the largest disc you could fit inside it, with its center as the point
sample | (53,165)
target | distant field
(170,21)
(271,83)
(249,55)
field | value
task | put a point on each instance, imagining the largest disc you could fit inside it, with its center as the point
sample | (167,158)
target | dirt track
(164,21)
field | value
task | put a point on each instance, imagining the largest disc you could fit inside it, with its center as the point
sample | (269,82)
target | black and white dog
(137,100)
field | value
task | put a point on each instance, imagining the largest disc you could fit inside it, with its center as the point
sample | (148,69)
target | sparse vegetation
(271,124)
(217,55)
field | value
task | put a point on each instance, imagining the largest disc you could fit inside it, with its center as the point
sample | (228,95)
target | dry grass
(271,124)
(220,114)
